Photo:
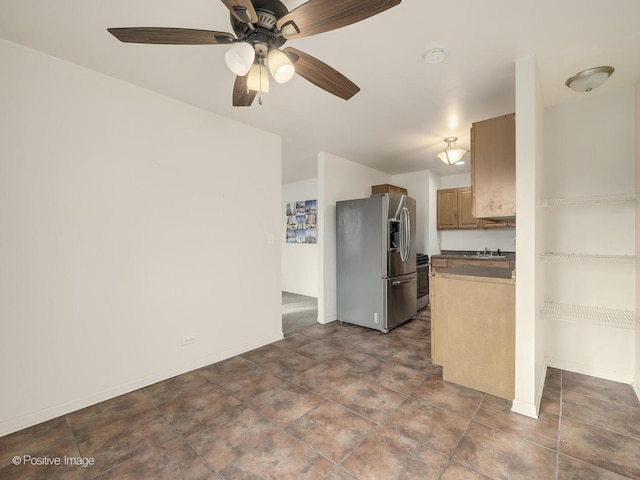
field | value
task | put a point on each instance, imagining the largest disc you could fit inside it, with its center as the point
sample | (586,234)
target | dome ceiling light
(452,154)
(587,80)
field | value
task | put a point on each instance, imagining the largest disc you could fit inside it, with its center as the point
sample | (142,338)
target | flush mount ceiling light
(589,79)
(452,154)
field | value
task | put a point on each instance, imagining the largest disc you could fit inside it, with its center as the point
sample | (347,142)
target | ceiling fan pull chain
(260,94)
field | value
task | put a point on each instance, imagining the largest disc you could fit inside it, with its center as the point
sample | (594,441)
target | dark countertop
(471,254)
(478,273)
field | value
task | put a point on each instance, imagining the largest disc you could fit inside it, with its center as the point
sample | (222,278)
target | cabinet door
(454,262)
(465,209)
(447,209)
(487,223)
(439,263)
(493,167)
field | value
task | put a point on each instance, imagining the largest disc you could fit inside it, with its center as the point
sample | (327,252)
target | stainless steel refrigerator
(376,261)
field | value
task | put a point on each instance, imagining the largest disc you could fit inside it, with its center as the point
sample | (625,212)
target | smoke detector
(435,55)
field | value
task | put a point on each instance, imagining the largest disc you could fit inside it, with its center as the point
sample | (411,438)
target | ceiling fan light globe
(280,66)
(240,58)
(258,79)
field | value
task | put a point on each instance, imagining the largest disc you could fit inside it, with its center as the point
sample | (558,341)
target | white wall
(455,180)
(418,185)
(590,150)
(125,222)
(530,368)
(338,179)
(299,261)
(493,239)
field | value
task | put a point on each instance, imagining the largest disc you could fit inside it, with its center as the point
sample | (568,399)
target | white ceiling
(405,108)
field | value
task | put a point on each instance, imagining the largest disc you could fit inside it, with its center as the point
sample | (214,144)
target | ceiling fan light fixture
(587,80)
(280,66)
(452,154)
(258,79)
(240,58)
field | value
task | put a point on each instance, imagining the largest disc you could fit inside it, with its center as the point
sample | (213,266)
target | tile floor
(339,402)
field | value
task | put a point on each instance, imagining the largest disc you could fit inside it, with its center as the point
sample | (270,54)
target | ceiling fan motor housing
(262,34)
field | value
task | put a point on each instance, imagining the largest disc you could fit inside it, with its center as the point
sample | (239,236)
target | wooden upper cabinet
(465,209)
(447,209)
(455,209)
(498,223)
(493,167)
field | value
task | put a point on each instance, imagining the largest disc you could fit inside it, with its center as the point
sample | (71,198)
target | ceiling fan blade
(317,16)
(242,96)
(322,75)
(242,9)
(171,36)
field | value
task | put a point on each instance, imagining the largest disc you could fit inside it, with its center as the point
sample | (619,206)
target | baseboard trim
(532,409)
(616,376)
(56,411)
(524,408)
(636,388)
(540,387)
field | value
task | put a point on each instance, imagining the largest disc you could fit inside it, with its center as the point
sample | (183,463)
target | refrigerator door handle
(405,237)
(395,283)
(408,232)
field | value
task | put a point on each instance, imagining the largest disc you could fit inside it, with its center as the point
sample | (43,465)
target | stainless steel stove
(423,267)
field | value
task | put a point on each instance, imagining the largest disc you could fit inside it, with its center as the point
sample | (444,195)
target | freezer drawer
(401,299)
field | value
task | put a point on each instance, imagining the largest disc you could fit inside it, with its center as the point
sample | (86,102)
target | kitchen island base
(473,328)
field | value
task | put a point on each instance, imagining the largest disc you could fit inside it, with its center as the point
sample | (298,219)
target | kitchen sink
(486,257)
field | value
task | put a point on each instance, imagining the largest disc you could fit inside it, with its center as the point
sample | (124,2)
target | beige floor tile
(496,412)
(498,454)
(369,399)
(332,430)
(280,457)
(600,447)
(391,456)
(455,398)
(432,426)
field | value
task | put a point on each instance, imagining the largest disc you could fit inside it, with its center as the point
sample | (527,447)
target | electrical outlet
(375,317)
(188,340)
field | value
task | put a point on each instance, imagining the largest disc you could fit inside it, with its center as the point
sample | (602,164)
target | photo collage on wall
(301,222)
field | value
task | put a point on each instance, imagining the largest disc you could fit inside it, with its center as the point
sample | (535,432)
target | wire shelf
(596,315)
(584,257)
(592,199)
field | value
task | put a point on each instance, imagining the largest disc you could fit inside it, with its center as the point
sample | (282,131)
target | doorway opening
(298,311)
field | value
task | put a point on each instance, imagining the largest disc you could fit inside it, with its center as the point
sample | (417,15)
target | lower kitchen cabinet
(473,328)
(441,263)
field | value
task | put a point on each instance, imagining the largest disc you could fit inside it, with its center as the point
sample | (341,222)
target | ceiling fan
(261,27)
